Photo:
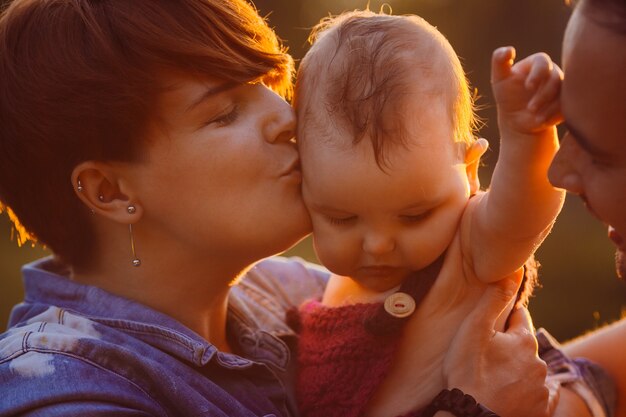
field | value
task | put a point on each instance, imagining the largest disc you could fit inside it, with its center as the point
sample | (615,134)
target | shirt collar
(46,282)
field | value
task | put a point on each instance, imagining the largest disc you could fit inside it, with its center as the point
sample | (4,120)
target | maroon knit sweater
(340,362)
(345,352)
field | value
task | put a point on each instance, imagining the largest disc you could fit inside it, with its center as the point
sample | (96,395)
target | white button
(400,304)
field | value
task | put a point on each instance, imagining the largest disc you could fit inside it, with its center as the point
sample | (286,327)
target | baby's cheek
(334,251)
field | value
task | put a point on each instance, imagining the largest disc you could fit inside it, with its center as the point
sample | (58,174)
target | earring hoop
(79,186)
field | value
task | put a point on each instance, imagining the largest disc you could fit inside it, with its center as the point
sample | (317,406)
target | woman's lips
(615,237)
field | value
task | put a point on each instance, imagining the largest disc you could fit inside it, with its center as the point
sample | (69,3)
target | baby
(389,162)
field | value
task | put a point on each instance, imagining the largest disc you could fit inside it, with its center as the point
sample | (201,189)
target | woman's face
(220,175)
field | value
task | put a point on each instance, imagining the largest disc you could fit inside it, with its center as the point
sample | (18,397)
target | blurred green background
(579,289)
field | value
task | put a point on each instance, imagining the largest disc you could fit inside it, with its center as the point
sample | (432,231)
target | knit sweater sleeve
(340,363)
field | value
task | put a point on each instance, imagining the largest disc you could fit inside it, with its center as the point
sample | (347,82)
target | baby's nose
(377,244)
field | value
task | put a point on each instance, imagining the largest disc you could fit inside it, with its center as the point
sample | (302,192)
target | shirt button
(400,304)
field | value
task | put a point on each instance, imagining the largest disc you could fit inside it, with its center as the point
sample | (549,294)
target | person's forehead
(182,88)
(356,186)
(594,87)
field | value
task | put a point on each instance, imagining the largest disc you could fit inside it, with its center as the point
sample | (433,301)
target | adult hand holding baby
(501,370)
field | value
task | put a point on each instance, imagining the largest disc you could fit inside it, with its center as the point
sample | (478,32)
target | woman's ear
(99,186)
(472,160)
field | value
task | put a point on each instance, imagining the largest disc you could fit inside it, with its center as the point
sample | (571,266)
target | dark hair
(77,79)
(610,14)
(360,66)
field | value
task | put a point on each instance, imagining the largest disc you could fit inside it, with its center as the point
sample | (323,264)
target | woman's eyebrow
(210,92)
(584,142)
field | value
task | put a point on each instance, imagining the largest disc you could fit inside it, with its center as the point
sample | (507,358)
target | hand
(501,370)
(527,93)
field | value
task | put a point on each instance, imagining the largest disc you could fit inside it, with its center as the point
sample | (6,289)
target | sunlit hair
(77,82)
(609,13)
(358,72)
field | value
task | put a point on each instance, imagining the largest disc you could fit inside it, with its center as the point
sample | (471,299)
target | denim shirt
(77,350)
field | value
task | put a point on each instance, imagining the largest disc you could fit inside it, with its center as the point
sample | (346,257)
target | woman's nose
(279,124)
(564,171)
(378,244)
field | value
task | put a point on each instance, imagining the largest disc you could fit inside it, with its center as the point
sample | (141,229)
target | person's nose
(280,120)
(564,170)
(378,244)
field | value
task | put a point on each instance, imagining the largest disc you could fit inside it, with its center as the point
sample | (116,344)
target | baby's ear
(473,153)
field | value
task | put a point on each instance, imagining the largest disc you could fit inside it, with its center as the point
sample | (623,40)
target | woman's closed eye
(225,118)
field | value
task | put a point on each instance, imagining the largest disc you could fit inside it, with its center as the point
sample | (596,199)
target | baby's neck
(342,291)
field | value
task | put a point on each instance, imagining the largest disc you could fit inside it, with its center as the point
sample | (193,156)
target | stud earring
(101,197)
(131,209)
(136,261)
(79,187)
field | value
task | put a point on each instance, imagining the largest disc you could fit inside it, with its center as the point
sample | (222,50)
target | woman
(146,143)
(161,167)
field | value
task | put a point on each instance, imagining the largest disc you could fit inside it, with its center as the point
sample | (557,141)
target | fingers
(553,395)
(550,115)
(546,85)
(501,63)
(520,322)
(540,67)
(496,298)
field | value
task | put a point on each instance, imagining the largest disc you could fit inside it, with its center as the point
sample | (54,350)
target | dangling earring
(136,261)
(79,188)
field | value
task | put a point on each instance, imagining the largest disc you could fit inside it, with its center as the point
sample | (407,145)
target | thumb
(554,394)
(501,63)
(496,298)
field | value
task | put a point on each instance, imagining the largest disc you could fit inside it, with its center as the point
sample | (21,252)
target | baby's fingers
(540,70)
(501,63)
(550,114)
(548,90)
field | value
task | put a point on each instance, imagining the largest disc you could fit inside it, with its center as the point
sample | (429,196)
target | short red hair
(77,79)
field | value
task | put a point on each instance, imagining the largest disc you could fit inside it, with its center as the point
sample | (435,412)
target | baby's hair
(360,67)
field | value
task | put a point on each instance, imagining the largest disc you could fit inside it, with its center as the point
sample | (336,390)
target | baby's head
(385,130)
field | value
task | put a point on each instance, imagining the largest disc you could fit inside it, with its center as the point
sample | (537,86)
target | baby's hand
(527,92)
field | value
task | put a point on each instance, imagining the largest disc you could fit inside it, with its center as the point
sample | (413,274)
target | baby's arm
(505,225)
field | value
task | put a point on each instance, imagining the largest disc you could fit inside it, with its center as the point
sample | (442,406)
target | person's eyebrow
(210,92)
(584,142)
